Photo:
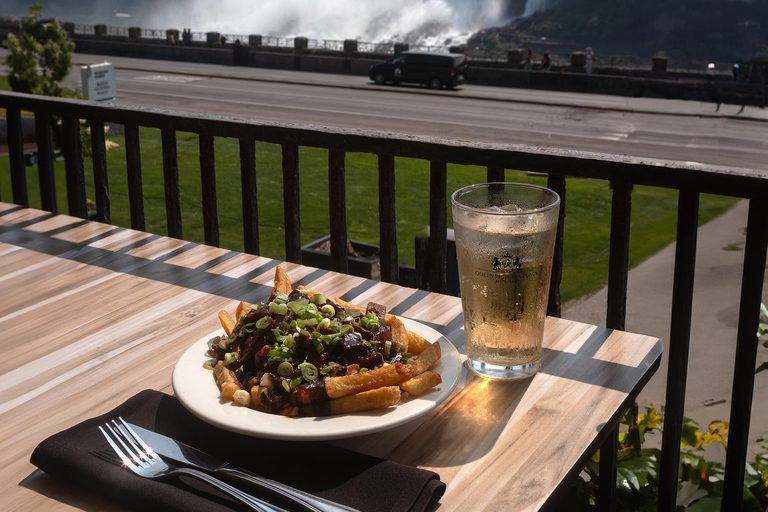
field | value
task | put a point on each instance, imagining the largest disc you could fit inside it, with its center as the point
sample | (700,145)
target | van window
(400,59)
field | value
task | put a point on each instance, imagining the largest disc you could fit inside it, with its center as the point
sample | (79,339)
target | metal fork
(142,460)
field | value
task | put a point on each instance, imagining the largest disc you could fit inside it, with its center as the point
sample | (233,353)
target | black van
(431,69)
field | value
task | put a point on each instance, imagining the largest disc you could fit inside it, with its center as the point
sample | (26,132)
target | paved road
(690,131)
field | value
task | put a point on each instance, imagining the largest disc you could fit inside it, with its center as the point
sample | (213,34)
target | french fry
(242,309)
(372,399)
(426,359)
(282,282)
(337,387)
(227,322)
(421,383)
(416,343)
(347,305)
(226,380)
(399,332)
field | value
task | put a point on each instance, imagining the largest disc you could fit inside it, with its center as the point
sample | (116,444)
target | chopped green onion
(387,348)
(328,309)
(297,305)
(286,386)
(230,358)
(263,322)
(318,345)
(285,369)
(324,323)
(280,298)
(318,299)
(276,307)
(208,365)
(308,371)
(248,328)
(295,382)
(327,368)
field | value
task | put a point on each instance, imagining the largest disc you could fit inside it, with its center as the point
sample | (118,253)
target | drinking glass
(505,239)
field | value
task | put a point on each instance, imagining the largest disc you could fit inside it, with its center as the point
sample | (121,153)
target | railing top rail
(733,181)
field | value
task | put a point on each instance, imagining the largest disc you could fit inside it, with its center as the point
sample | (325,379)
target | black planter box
(368,267)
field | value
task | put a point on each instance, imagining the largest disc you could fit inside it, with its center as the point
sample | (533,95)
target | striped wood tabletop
(91,314)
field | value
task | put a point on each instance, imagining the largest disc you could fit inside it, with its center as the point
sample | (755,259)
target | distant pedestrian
(546,61)
(528,65)
(223,41)
(590,59)
(171,39)
(189,37)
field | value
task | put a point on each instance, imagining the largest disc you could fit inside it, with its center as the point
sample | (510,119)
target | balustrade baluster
(438,225)
(291,202)
(618,266)
(387,220)
(72,148)
(135,180)
(250,198)
(100,176)
(171,181)
(208,182)
(679,341)
(753,276)
(338,210)
(16,157)
(556,182)
(45,169)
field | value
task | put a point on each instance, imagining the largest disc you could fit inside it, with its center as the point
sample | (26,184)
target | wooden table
(86,307)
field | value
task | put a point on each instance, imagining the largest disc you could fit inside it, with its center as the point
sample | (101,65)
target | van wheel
(378,79)
(435,83)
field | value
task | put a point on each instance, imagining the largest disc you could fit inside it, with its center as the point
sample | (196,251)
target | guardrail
(623,172)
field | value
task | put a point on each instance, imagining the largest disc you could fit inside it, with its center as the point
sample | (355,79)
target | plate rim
(182,387)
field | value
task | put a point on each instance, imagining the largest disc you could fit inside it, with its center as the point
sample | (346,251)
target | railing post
(171,182)
(100,176)
(16,157)
(438,225)
(387,220)
(556,182)
(338,210)
(72,147)
(495,174)
(746,353)
(208,182)
(679,342)
(45,168)
(291,203)
(135,180)
(250,199)
(618,268)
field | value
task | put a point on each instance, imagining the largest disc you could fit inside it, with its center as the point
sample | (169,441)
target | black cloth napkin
(80,456)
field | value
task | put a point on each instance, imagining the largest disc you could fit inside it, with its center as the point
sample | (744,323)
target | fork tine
(132,433)
(126,459)
(133,452)
(126,437)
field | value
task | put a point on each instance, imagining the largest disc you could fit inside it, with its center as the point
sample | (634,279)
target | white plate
(195,388)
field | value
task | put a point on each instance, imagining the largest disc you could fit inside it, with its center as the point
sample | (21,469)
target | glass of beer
(505,240)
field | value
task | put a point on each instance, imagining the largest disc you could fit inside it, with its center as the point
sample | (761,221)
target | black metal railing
(623,172)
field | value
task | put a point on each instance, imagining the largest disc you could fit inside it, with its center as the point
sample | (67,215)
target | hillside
(687,30)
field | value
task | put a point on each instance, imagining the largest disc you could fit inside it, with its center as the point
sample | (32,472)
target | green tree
(41,58)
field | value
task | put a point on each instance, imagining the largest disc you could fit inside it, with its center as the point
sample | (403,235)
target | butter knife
(185,454)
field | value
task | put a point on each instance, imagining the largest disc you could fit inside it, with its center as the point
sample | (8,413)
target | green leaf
(627,479)
(688,493)
(762,367)
(711,504)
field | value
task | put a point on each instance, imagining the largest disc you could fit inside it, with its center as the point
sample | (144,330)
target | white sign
(98,81)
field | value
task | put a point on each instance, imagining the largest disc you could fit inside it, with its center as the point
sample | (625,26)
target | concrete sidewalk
(719,262)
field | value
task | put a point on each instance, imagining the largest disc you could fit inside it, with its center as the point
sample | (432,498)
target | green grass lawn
(587,224)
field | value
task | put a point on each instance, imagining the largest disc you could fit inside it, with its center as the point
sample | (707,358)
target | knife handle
(308,502)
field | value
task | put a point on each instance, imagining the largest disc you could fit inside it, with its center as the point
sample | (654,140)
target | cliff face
(726,30)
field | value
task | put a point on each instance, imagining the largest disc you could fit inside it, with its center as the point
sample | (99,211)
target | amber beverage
(505,239)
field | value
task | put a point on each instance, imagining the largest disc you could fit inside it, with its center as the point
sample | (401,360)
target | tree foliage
(41,58)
